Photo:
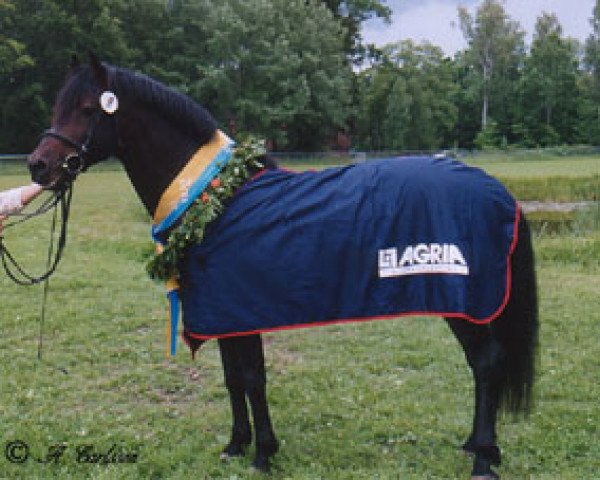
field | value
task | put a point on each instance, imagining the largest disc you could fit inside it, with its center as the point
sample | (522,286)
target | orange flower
(215,183)
(205,197)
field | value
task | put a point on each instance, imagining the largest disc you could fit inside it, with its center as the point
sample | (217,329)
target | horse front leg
(485,357)
(244,365)
(241,432)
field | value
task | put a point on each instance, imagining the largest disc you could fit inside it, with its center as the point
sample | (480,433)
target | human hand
(29,192)
(13,200)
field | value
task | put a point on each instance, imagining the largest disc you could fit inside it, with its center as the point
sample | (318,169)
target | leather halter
(76,162)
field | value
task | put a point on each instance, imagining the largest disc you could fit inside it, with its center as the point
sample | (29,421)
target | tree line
(298,72)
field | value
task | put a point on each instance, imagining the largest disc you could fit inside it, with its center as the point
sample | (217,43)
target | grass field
(381,400)
(532,177)
(506,165)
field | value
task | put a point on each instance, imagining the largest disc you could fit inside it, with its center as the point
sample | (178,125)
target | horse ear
(99,70)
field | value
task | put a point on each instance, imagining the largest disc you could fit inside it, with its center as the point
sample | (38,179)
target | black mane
(140,89)
(178,108)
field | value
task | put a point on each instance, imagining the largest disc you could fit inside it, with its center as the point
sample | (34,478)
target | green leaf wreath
(206,208)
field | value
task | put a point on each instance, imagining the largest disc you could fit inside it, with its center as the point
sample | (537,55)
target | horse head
(83,127)
(105,111)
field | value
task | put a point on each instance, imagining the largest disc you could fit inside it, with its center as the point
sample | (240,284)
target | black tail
(517,328)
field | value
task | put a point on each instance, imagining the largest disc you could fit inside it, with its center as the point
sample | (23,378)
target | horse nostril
(37,166)
(38,169)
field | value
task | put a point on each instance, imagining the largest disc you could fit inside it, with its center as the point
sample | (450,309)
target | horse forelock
(169,103)
(80,83)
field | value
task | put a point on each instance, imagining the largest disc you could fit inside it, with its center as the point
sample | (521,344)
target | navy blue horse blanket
(381,239)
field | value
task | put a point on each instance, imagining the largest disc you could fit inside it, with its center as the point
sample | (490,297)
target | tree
(592,49)
(165,40)
(14,63)
(467,102)
(351,14)
(589,113)
(12,52)
(49,31)
(383,115)
(496,47)
(273,67)
(276,68)
(408,99)
(549,86)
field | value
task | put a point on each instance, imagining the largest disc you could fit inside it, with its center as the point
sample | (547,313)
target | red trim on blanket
(258,174)
(462,316)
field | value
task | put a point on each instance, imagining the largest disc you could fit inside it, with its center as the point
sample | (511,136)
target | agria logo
(422,258)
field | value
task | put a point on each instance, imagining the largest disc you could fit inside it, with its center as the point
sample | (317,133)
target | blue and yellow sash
(188,185)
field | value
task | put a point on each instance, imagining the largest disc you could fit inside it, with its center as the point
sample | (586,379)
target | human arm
(13,200)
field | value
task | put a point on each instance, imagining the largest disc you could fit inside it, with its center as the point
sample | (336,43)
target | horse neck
(153,152)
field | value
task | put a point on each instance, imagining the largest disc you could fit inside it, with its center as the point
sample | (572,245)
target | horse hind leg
(485,356)
(503,357)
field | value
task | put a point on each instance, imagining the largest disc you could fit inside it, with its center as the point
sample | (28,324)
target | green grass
(555,178)
(506,164)
(529,176)
(545,178)
(559,189)
(513,166)
(577,222)
(388,400)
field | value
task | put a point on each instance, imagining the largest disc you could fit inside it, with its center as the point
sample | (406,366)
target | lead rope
(12,267)
(45,289)
(20,276)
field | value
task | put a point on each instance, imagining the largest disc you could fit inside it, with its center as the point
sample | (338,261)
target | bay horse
(153,133)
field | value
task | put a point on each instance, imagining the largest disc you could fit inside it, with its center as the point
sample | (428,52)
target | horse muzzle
(56,175)
(40,171)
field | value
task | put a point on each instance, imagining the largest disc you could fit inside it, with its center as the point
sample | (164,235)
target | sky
(437,20)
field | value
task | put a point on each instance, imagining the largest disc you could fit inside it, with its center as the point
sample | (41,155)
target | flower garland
(206,208)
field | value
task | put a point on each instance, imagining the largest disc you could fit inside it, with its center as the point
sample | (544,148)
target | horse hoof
(469,448)
(233,450)
(261,465)
(226,456)
(489,476)
(468,453)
